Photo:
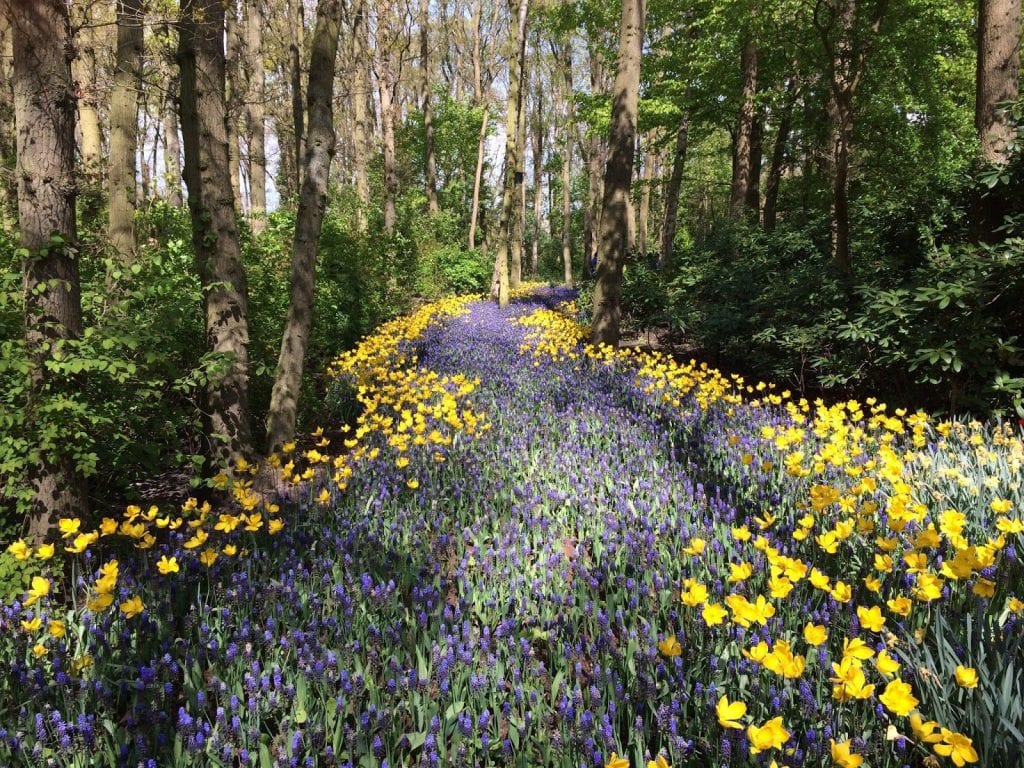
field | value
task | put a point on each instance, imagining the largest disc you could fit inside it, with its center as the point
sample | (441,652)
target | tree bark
(83,68)
(172,145)
(8,155)
(233,96)
(569,131)
(743,152)
(618,177)
(538,177)
(675,182)
(214,235)
(997,75)
(430,160)
(643,215)
(320,142)
(500,282)
(124,128)
(386,87)
(361,92)
(255,115)
(478,177)
(44,106)
(771,193)
(297,26)
(517,233)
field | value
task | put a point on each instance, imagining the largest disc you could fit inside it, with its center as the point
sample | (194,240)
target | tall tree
(537,135)
(297,29)
(744,172)
(172,144)
(430,161)
(500,282)
(233,40)
(8,156)
(846,49)
(214,234)
(387,84)
(255,114)
(643,215)
(44,107)
(84,68)
(124,128)
(320,142)
(779,150)
(998,75)
(568,133)
(360,98)
(517,228)
(618,177)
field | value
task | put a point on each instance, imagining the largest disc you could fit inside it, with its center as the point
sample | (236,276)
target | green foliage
(458,270)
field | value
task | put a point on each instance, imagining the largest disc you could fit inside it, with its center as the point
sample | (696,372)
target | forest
(610,383)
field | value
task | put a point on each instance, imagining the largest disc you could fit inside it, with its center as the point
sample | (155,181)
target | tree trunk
(538,178)
(233,96)
(778,162)
(124,128)
(508,199)
(478,177)
(753,200)
(44,106)
(361,92)
(517,233)
(83,69)
(428,118)
(744,170)
(643,216)
(840,113)
(997,75)
(675,182)
(255,115)
(596,153)
(214,235)
(320,141)
(618,177)
(172,145)
(569,131)
(297,26)
(386,86)
(8,155)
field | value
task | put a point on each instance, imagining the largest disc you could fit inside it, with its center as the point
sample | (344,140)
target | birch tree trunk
(124,129)
(214,235)
(618,178)
(320,143)
(44,107)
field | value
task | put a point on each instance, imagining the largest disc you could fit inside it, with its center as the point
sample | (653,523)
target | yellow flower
(32,624)
(69,526)
(402,462)
(741,534)
(40,589)
(957,748)
(815,634)
(82,542)
(856,648)
(740,572)
(616,762)
(984,588)
(871,618)
(693,594)
(713,614)
(132,607)
(413,484)
(274,526)
(924,731)
(100,602)
(20,550)
(108,526)
(695,547)
(82,662)
(899,698)
(45,552)
(57,629)
(730,712)
(771,735)
(966,677)
(209,557)
(901,606)
(843,756)
(886,664)
(660,762)
(1001,506)
(757,653)
(39,650)
(842,592)
(230,550)
(197,540)
(167,565)
(670,647)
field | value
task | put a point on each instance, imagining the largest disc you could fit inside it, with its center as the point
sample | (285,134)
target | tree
(500,282)
(743,177)
(8,156)
(320,141)
(998,75)
(124,127)
(44,108)
(618,177)
(360,98)
(564,56)
(214,234)
(675,181)
(255,115)
(430,161)
(387,84)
